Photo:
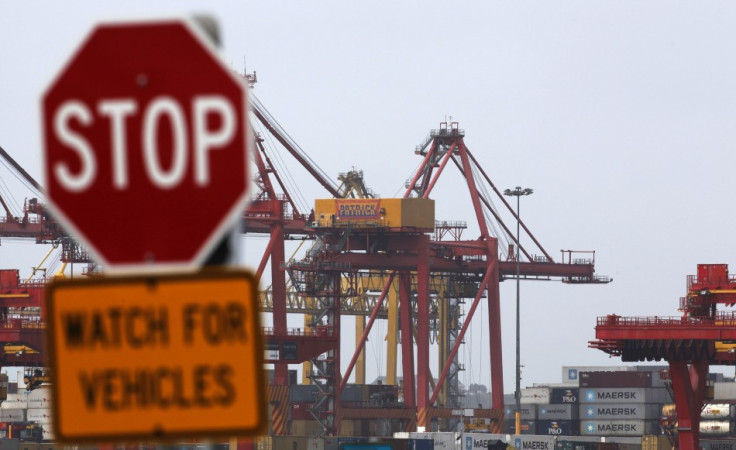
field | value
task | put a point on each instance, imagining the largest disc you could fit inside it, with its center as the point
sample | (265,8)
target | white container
(617,427)
(442,441)
(717,411)
(571,374)
(531,442)
(39,415)
(12,415)
(620,411)
(624,395)
(716,427)
(724,390)
(47,434)
(536,395)
(474,441)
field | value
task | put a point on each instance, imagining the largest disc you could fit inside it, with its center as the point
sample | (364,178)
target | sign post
(146,152)
(171,357)
(146,146)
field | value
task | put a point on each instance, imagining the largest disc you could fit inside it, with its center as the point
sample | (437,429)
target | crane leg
(688,385)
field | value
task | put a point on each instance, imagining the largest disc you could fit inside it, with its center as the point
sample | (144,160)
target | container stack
(717,420)
(545,410)
(621,403)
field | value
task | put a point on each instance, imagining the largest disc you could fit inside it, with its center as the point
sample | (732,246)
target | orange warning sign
(168,357)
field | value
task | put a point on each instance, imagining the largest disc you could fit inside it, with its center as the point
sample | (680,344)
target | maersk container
(442,441)
(624,395)
(615,379)
(618,427)
(474,441)
(718,444)
(564,395)
(575,445)
(532,442)
(571,374)
(619,411)
(527,427)
(558,427)
(557,412)
(716,427)
(528,411)
(718,411)
(535,395)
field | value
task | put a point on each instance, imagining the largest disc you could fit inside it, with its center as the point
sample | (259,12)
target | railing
(450,224)
(693,279)
(571,257)
(298,332)
(15,324)
(723,318)
(21,220)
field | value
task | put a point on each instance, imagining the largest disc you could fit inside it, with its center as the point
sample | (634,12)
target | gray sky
(620,114)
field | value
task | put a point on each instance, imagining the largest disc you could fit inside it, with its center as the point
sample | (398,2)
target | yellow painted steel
(38,267)
(360,362)
(389,212)
(306,365)
(10,349)
(392,333)
(14,295)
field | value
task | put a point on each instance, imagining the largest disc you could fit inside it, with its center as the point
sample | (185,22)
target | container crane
(690,343)
(402,249)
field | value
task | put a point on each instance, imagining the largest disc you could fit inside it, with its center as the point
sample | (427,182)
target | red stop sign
(146,145)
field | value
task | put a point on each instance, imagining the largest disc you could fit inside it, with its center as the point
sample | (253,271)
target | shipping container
(475,441)
(532,442)
(558,427)
(291,442)
(625,411)
(18,404)
(575,445)
(624,395)
(353,393)
(615,379)
(537,395)
(305,428)
(618,427)
(718,411)
(717,444)
(12,415)
(724,390)
(716,427)
(558,412)
(527,427)
(442,441)
(528,412)
(39,415)
(564,395)
(300,411)
(571,374)
(301,393)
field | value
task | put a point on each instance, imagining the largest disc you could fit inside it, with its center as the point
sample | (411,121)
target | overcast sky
(619,114)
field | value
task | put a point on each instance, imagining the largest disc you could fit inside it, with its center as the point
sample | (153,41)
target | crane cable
(259,106)
(281,167)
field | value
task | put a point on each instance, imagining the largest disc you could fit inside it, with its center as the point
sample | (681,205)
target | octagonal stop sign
(146,145)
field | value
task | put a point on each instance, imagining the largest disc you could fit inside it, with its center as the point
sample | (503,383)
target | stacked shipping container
(621,403)
(601,403)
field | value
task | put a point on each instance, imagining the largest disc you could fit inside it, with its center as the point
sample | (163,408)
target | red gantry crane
(399,239)
(690,343)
